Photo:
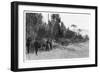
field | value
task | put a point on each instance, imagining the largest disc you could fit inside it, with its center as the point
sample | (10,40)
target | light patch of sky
(45,17)
(81,20)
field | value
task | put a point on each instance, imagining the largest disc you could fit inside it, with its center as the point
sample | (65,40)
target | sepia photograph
(56,35)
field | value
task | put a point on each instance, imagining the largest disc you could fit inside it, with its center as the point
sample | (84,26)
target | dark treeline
(37,30)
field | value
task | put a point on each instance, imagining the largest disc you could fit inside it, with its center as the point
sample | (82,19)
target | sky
(81,20)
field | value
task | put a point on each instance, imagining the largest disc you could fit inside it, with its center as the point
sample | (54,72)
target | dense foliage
(55,29)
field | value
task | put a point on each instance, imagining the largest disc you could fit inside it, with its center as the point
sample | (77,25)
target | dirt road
(78,50)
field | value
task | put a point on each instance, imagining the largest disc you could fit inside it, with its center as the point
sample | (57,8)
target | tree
(63,29)
(41,32)
(55,22)
(86,37)
(69,34)
(33,21)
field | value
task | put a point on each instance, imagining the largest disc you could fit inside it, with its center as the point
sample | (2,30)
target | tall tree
(63,29)
(55,21)
(33,21)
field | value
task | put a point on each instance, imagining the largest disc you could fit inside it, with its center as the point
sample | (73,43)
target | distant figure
(49,44)
(37,45)
(44,46)
(28,42)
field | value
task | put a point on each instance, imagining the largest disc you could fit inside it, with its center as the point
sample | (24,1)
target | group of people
(38,45)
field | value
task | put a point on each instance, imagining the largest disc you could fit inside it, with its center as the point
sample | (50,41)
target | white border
(57,62)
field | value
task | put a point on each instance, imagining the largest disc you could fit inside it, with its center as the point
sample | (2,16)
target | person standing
(28,42)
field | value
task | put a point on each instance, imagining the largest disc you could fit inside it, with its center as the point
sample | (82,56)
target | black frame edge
(56,67)
(14,36)
(96,36)
(55,5)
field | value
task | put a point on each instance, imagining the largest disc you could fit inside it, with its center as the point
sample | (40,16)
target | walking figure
(37,45)
(28,42)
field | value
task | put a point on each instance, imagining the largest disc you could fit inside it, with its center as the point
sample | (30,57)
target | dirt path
(72,51)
